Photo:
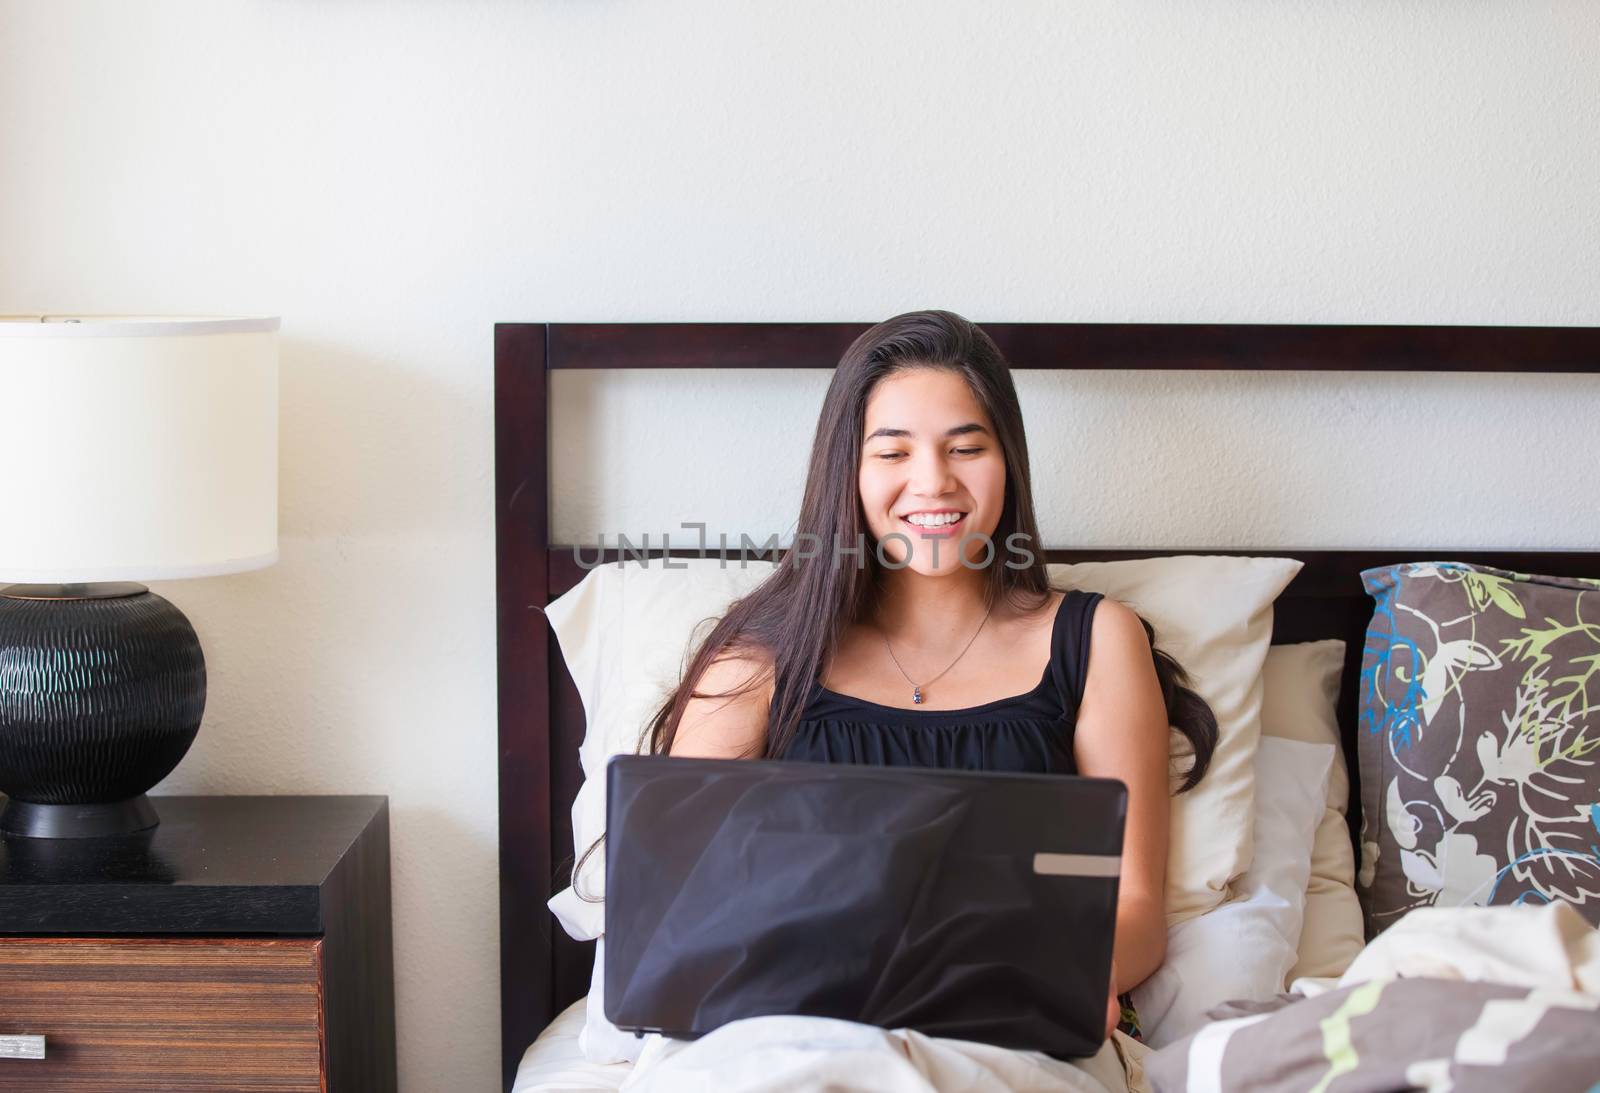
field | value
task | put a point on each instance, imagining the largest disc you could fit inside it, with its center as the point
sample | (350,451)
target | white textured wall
(392,178)
(1189,459)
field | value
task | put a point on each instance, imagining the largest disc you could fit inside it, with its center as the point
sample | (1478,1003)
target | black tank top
(1026,732)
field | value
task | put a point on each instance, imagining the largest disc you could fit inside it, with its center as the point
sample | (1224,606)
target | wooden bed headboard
(541,718)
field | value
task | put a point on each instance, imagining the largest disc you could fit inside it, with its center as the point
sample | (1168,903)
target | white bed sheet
(813,1055)
(554,1064)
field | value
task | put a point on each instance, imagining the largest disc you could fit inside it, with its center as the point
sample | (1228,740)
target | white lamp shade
(137,448)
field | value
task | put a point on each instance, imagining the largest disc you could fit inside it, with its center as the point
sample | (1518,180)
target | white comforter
(1545,947)
(818,1055)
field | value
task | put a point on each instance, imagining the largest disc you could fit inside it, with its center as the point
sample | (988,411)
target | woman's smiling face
(931,470)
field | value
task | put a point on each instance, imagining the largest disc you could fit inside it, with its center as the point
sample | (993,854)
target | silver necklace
(916,688)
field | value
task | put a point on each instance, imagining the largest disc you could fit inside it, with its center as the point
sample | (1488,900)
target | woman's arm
(1123,733)
(726,728)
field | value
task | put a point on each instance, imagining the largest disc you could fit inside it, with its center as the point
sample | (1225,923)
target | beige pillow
(1301,693)
(1213,614)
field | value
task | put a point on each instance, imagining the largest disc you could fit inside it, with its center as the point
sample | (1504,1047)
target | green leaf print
(1566,697)
(1486,588)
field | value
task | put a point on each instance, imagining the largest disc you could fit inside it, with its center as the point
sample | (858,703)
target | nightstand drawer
(163,1013)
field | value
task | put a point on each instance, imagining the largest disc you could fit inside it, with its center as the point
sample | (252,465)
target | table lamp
(136,448)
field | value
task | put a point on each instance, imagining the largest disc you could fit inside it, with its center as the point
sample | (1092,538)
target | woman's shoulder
(1067,605)
(1101,619)
(739,667)
(726,714)
(1085,621)
(1114,618)
(1117,641)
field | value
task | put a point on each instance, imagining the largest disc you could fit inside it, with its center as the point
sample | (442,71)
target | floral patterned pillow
(1479,740)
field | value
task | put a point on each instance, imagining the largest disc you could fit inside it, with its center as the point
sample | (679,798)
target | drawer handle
(21,1047)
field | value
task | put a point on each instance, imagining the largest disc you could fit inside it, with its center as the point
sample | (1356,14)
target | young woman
(942,644)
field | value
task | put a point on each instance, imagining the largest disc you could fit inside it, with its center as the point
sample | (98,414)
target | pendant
(916,695)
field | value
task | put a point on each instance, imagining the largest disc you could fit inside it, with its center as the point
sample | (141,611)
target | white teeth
(934,520)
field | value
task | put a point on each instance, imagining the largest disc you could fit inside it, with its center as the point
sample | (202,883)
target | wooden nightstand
(243,944)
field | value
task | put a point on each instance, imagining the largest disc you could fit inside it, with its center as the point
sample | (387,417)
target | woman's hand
(1113,1004)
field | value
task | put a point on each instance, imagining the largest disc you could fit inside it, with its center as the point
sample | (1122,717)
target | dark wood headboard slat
(522,536)
(1123,346)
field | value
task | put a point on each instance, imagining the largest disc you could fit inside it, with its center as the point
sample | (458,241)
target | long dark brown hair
(791,623)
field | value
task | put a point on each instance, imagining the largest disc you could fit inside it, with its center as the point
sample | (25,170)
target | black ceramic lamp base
(78,821)
(101,691)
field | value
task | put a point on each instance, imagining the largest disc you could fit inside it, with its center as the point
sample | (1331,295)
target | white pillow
(625,633)
(1245,948)
(1213,614)
(1301,685)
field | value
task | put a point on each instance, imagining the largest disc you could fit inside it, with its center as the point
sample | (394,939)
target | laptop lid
(964,904)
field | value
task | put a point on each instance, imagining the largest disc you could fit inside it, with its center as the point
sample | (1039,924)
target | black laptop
(969,905)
